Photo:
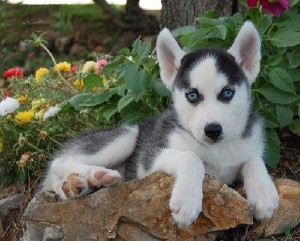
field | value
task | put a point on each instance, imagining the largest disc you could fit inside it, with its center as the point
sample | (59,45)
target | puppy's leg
(72,181)
(259,188)
(187,194)
(80,166)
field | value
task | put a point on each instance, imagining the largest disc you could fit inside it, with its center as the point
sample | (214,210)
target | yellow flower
(105,83)
(63,67)
(24,117)
(39,115)
(89,67)
(78,84)
(96,89)
(39,74)
(24,159)
(1,145)
(23,98)
(36,104)
(43,134)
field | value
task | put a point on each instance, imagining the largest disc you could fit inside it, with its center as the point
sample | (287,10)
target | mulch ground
(289,167)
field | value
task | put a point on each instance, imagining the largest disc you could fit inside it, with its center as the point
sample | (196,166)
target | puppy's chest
(222,162)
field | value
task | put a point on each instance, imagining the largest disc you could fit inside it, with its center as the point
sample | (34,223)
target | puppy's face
(211,96)
(211,87)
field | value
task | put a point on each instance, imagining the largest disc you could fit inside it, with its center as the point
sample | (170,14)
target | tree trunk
(177,13)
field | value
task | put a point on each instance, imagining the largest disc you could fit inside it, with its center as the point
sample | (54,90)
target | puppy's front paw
(265,200)
(75,186)
(102,177)
(185,205)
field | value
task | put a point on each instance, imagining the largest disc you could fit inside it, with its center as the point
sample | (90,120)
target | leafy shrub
(128,90)
(276,90)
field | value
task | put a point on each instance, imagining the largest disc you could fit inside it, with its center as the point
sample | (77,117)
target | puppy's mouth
(210,142)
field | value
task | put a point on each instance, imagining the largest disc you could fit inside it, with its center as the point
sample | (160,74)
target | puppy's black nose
(213,131)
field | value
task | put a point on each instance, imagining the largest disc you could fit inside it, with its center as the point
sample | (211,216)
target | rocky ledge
(138,210)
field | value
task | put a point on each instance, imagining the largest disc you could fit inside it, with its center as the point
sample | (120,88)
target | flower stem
(56,142)
(59,74)
(36,148)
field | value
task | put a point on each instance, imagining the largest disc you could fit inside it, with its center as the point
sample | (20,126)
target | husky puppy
(211,129)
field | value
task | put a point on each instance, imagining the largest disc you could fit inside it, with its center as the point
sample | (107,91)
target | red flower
(74,68)
(276,7)
(7,93)
(13,72)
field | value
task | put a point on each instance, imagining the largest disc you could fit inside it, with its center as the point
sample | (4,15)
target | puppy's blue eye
(227,94)
(193,96)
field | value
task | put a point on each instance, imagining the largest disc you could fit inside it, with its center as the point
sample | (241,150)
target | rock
(288,213)
(7,206)
(2,230)
(136,210)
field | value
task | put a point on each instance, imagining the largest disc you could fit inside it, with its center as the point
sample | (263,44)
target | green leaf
(125,51)
(144,50)
(274,60)
(284,115)
(21,175)
(294,2)
(112,66)
(265,23)
(137,43)
(270,117)
(295,127)
(281,79)
(294,59)
(133,113)
(277,96)
(161,89)
(124,101)
(136,81)
(92,80)
(107,114)
(184,30)
(287,232)
(77,100)
(219,31)
(209,20)
(254,15)
(140,49)
(285,38)
(291,21)
(98,99)
(272,155)
(192,42)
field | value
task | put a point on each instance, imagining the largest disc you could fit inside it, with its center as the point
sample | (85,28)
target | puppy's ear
(169,55)
(246,50)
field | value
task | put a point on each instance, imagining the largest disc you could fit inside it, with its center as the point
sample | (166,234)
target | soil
(289,167)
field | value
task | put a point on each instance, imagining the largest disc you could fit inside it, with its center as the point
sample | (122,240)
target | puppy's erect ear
(246,50)
(169,55)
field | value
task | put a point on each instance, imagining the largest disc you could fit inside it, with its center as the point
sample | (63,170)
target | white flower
(9,105)
(89,67)
(130,58)
(52,111)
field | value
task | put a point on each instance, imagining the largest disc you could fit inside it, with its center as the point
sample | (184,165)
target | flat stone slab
(136,210)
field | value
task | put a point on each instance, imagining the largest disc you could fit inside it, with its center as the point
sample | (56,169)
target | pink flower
(101,64)
(276,7)
(13,72)
(74,68)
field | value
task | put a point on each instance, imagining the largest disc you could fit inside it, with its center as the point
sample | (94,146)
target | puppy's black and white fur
(211,129)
